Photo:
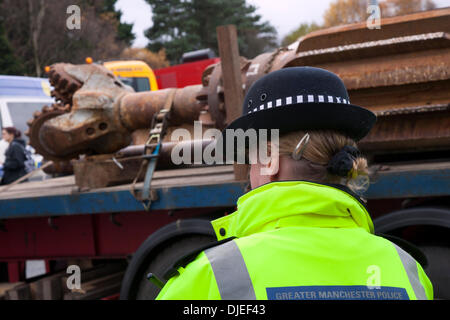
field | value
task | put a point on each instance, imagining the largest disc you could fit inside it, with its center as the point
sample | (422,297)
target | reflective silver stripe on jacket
(231,274)
(413,274)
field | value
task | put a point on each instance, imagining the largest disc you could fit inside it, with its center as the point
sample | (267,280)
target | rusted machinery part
(92,124)
(64,84)
(58,168)
(202,95)
(104,113)
(212,92)
(82,132)
(193,147)
(405,65)
(407,49)
(406,25)
(166,148)
(123,167)
(383,70)
(425,126)
(392,56)
(206,75)
(137,109)
(35,124)
(400,72)
(164,161)
(215,96)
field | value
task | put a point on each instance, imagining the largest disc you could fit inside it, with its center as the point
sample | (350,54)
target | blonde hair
(322,146)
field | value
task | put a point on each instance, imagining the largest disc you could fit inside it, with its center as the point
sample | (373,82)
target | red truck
(189,72)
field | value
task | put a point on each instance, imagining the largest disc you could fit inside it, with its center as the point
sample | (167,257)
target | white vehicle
(20,97)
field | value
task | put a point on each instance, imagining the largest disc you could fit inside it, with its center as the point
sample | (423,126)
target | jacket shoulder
(16,147)
(408,247)
(184,260)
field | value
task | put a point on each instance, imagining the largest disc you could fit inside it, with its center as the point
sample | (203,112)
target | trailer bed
(197,188)
(176,189)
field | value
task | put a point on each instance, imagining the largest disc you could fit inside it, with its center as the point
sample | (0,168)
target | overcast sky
(284,15)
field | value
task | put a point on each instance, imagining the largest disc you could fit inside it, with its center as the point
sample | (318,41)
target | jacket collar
(293,203)
(19,141)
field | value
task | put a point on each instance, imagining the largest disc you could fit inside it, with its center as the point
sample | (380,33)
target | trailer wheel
(437,270)
(164,260)
(427,228)
(160,251)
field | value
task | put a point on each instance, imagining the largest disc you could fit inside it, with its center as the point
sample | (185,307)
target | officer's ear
(274,177)
(270,162)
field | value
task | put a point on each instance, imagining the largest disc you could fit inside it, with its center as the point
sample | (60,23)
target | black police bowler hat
(303,98)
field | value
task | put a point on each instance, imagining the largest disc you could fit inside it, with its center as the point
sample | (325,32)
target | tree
(39,36)
(36,14)
(352,11)
(154,60)
(124,30)
(186,25)
(9,64)
(345,12)
(342,12)
(301,31)
(391,8)
(125,33)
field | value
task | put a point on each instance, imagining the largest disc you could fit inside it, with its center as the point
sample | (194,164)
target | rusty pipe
(165,157)
(137,109)
(105,112)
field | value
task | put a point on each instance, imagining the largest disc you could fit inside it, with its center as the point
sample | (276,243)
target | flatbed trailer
(400,73)
(54,220)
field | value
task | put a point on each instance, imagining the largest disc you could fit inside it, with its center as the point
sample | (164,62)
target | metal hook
(51,223)
(298,151)
(112,218)
(117,163)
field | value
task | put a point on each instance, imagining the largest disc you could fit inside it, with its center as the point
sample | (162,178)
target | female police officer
(302,232)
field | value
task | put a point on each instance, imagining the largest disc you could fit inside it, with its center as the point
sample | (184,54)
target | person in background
(14,165)
(3,146)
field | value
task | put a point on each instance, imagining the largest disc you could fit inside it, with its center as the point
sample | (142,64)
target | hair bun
(342,162)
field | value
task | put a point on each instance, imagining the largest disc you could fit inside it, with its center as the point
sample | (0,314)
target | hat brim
(351,120)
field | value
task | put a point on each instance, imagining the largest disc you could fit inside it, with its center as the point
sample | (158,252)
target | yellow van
(134,73)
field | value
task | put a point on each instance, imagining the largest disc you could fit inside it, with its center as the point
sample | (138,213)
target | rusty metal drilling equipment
(401,72)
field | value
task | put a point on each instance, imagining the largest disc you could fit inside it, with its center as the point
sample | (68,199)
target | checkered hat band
(305,98)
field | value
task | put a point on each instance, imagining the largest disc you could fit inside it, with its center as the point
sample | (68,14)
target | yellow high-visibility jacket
(299,240)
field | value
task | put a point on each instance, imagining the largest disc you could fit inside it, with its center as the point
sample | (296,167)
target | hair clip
(298,151)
